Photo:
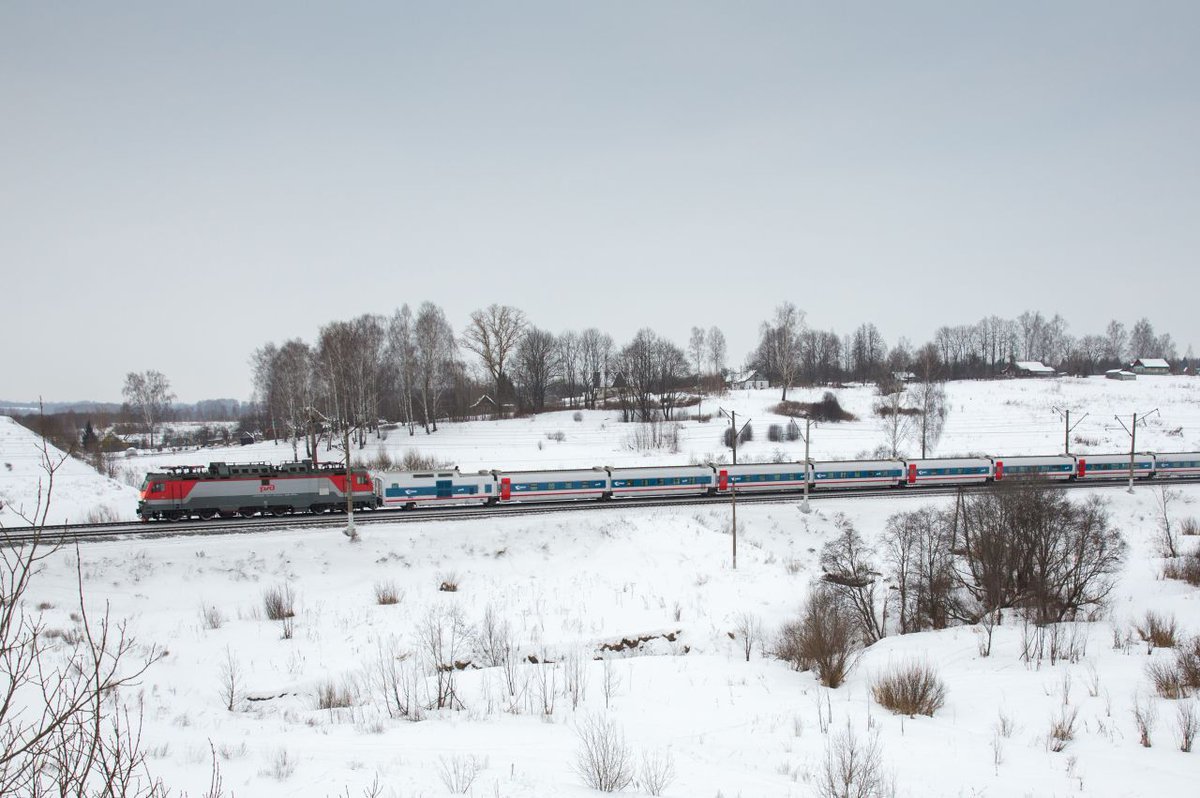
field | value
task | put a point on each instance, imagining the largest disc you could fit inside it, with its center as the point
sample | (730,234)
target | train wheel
(207,515)
(278,511)
(179,515)
(247,512)
(228,513)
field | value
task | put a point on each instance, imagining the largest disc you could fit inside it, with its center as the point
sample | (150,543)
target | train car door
(445,488)
(505,488)
(723,480)
(912,473)
(1082,468)
(999,470)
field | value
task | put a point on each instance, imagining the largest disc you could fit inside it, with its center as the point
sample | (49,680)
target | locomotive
(227,490)
(246,489)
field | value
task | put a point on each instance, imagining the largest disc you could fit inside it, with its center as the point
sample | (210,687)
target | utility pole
(1131,430)
(808,424)
(732,415)
(737,433)
(1065,415)
(350,531)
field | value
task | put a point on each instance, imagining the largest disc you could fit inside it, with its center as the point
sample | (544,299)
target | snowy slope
(568,584)
(79,492)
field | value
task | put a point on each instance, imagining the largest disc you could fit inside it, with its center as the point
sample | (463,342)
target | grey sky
(180,183)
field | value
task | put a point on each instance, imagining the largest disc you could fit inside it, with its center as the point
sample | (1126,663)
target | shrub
(279,602)
(1178,679)
(331,695)
(775,433)
(827,410)
(853,769)
(577,416)
(911,689)
(415,461)
(824,638)
(604,760)
(1062,729)
(1157,630)
(448,582)
(212,617)
(1185,568)
(1189,527)
(458,772)
(386,592)
(558,436)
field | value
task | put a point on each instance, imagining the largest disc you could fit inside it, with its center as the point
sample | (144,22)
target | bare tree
(894,422)
(849,570)
(778,353)
(569,355)
(929,400)
(535,365)
(716,350)
(444,638)
(401,356)
(493,335)
(434,347)
(63,730)
(149,395)
(596,350)
(696,350)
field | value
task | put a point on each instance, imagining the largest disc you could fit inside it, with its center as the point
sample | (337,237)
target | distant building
(1150,365)
(1120,374)
(246,438)
(1029,368)
(748,380)
(903,376)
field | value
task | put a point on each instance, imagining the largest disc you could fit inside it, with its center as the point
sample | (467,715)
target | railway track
(73,533)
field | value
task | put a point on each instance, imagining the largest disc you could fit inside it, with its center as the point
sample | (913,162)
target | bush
(279,602)
(1185,568)
(577,416)
(1189,527)
(824,638)
(331,695)
(448,582)
(912,689)
(604,760)
(386,592)
(826,410)
(775,433)
(1157,630)
(1180,678)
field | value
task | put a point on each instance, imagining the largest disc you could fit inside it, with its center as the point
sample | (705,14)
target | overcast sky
(182,182)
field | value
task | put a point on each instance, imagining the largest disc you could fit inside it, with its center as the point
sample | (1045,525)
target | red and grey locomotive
(246,489)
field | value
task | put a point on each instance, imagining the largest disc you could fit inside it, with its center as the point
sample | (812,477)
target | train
(228,490)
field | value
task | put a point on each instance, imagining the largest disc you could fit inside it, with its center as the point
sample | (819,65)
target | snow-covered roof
(1033,365)
(1153,363)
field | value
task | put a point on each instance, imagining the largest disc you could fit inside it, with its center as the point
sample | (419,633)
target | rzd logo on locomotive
(265,488)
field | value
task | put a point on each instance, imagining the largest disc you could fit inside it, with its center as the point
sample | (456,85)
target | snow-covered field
(1004,417)
(569,584)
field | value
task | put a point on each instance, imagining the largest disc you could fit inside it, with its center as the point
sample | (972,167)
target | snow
(569,583)
(79,492)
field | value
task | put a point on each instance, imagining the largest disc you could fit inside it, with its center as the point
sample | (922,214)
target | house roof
(1152,363)
(1032,365)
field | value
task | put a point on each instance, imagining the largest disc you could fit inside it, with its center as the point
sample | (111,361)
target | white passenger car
(662,481)
(1056,467)
(432,488)
(1113,466)
(1179,464)
(551,486)
(760,477)
(947,471)
(856,474)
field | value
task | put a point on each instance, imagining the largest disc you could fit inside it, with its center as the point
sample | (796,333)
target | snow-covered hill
(79,492)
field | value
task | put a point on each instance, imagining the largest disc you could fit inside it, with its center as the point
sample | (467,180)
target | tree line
(789,353)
